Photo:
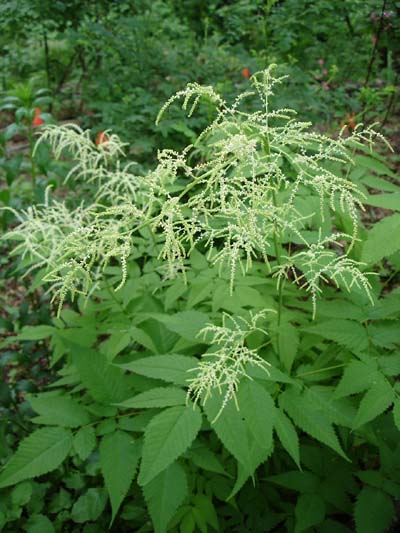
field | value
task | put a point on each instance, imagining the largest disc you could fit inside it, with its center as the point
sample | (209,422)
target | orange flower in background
(37,111)
(101,138)
(246,73)
(349,121)
(37,120)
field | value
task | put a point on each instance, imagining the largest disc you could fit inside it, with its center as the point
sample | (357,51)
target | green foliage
(167,436)
(226,281)
(44,450)
(164,494)
(119,456)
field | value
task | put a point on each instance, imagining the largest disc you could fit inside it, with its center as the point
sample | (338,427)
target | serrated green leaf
(119,456)
(371,163)
(287,435)
(35,333)
(288,338)
(357,377)
(22,493)
(158,397)
(379,397)
(204,458)
(168,435)
(308,417)
(232,429)
(310,511)
(378,245)
(205,507)
(258,410)
(89,506)
(187,324)
(339,410)
(348,333)
(84,442)
(374,511)
(386,334)
(164,494)
(173,368)
(104,382)
(58,410)
(44,450)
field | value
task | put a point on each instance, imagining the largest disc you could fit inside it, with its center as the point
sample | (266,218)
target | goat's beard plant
(239,192)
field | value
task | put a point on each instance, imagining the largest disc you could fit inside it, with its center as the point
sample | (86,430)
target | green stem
(320,370)
(195,182)
(277,246)
(32,161)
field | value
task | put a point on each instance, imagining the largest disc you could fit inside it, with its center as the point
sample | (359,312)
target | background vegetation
(97,427)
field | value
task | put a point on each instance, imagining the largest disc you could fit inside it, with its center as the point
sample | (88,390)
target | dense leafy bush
(228,360)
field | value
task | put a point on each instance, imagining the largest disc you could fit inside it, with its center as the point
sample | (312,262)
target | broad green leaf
(22,493)
(204,458)
(187,324)
(287,435)
(371,163)
(104,382)
(119,456)
(164,494)
(44,450)
(348,333)
(173,368)
(204,507)
(340,411)
(58,410)
(378,245)
(378,183)
(288,339)
(390,364)
(159,397)
(357,377)
(310,511)
(168,435)
(374,511)
(308,417)
(386,334)
(232,429)
(386,201)
(89,507)
(271,374)
(258,410)
(376,400)
(39,523)
(84,442)
(296,480)
(35,333)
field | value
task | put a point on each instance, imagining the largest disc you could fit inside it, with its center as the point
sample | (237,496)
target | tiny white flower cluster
(228,364)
